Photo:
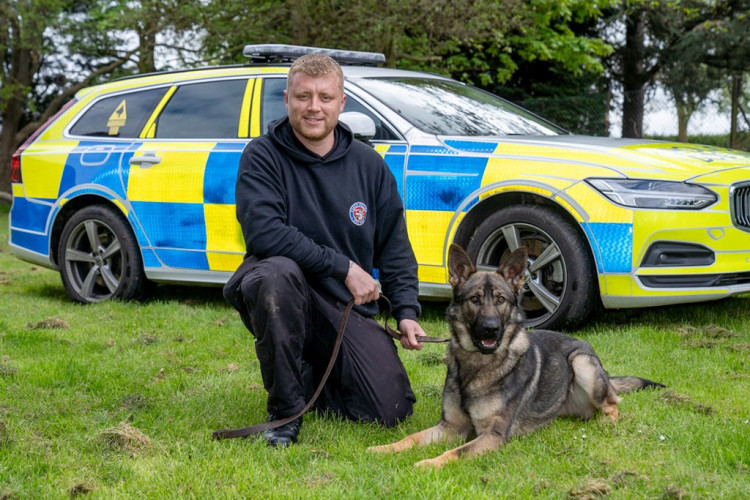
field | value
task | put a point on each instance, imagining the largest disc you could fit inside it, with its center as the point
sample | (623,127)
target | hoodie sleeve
(261,210)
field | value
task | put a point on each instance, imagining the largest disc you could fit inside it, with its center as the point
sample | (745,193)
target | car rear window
(123,115)
(209,110)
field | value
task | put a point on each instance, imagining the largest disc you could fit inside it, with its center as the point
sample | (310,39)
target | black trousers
(295,329)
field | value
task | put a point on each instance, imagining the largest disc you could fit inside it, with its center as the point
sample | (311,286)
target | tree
(719,41)
(681,38)
(635,60)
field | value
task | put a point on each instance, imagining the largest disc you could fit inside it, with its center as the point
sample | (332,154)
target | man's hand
(410,330)
(361,285)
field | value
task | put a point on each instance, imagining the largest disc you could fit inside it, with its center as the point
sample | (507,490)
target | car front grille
(741,206)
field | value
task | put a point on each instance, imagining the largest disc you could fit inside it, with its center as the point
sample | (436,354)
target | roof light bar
(286,53)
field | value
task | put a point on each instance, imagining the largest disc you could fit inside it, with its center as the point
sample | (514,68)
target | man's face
(314,105)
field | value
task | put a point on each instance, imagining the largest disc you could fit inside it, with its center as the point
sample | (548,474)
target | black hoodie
(322,212)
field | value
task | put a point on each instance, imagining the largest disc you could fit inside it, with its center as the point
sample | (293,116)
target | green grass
(118,400)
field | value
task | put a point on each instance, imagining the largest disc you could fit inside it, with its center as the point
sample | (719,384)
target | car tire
(100,258)
(561,286)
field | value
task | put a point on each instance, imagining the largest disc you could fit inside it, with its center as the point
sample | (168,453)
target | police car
(132,183)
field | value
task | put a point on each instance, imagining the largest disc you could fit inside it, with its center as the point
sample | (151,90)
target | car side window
(272,103)
(273,108)
(382,131)
(122,116)
(209,110)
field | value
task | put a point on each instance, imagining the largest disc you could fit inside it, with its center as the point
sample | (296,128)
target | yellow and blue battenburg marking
(182,210)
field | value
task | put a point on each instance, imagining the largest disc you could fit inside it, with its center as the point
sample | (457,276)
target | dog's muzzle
(487,335)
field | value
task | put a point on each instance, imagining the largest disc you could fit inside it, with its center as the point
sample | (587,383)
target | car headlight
(642,193)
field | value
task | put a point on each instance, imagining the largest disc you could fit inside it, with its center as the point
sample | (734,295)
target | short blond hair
(316,65)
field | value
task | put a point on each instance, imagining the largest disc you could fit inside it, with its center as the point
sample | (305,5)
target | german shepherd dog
(503,380)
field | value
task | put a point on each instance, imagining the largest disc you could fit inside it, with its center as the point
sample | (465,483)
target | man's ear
(513,267)
(459,265)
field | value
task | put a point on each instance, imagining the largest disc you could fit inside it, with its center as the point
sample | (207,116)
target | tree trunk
(736,92)
(12,113)
(6,153)
(683,117)
(146,60)
(8,144)
(634,77)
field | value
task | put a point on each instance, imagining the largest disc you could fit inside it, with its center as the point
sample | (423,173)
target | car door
(181,180)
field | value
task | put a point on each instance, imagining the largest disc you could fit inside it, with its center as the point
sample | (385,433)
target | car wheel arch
(475,225)
(72,206)
(492,204)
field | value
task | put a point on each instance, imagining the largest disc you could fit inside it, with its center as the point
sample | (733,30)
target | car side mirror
(361,125)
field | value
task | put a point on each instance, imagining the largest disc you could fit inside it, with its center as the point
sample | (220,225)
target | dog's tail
(628,384)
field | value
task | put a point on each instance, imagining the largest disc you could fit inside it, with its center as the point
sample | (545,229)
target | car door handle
(146,160)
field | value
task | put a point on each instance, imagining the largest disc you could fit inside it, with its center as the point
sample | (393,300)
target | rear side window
(122,115)
(209,110)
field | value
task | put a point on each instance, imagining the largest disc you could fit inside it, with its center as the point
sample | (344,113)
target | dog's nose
(490,328)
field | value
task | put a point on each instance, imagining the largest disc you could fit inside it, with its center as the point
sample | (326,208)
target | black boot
(282,436)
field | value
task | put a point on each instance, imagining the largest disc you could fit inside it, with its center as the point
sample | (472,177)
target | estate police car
(132,183)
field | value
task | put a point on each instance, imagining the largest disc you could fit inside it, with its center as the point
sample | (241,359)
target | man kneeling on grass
(319,211)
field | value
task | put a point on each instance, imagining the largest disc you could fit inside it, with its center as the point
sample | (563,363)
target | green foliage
(118,400)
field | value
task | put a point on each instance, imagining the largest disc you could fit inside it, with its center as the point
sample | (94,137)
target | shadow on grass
(721,312)
(189,295)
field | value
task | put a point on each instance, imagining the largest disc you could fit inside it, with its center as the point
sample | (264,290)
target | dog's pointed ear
(459,265)
(513,267)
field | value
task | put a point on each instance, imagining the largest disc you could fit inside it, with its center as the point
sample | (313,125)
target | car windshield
(448,107)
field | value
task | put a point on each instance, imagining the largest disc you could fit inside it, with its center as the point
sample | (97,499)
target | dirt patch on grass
(125,437)
(594,488)
(680,400)
(706,331)
(80,489)
(709,337)
(7,370)
(49,324)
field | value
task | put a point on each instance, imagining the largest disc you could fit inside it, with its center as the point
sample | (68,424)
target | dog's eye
(499,299)
(475,299)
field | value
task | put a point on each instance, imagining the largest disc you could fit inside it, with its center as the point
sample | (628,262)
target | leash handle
(397,335)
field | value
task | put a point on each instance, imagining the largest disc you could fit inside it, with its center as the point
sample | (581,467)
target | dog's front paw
(384,448)
(430,463)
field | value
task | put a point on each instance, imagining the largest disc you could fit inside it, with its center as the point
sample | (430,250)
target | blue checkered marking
(94,162)
(615,244)
(473,146)
(183,258)
(395,163)
(38,243)
(436,185)
(172,225)
(29,215)
(220,175)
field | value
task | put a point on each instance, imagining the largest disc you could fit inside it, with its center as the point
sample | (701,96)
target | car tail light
(15,168)
(15,162)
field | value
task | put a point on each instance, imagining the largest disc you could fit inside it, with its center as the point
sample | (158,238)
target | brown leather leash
(258,428)
(396,335)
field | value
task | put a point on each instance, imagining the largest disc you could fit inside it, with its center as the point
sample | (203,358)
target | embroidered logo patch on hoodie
(358,213)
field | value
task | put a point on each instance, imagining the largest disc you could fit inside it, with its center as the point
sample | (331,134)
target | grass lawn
(118,400)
